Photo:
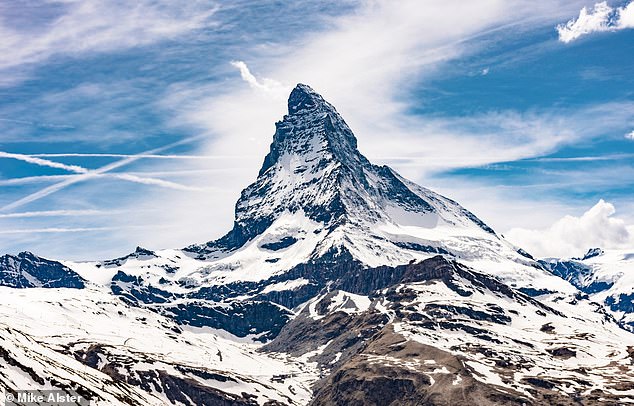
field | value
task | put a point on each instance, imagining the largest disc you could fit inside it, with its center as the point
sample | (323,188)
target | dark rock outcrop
(29,271)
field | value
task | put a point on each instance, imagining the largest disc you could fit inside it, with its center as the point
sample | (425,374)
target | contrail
(26,180)
(61,213)
(34,123)
(79,169)
(152,181)
(77,229)
(56,230)
(43,162)
(90,174)
(145,156)
(130,177)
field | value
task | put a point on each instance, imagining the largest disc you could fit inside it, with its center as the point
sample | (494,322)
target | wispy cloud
(55,230)
(601,18)
(493,137)
(95,174)
(37,124)
(140,156)
(609,157)
(76,26)
(368,81)
(265,84)
(155,182)
(86,113)
(30,180)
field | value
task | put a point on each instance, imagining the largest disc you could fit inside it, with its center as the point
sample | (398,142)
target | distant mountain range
(340,283)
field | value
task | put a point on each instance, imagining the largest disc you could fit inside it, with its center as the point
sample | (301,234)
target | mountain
(27,270)
(315,173)
(316,195)
(605,276)
(340,283)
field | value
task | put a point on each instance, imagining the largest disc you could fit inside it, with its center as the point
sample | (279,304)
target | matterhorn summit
(317,195)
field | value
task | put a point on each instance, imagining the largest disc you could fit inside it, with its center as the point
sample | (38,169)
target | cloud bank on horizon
(448,93)
(572,236)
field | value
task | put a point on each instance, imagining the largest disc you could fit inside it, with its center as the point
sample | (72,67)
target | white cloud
(572,236)
(96,26)
(626,16)
(263,84)
(602,18)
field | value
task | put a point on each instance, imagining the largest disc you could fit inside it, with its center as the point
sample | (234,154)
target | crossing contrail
(90,174)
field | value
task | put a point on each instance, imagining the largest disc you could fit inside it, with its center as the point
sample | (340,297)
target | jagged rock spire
(303,97)
(311,120)
(314,167)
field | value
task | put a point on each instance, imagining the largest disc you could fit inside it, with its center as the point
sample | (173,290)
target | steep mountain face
(606,276)
(314,167)
(316,194)
(340,283)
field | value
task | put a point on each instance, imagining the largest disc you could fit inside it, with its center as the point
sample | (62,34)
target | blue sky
(127,124)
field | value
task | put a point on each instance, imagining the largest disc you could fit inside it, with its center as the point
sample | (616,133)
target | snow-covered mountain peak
(303,98)
(314,129)
(315,173)
(593,252)
(317,196)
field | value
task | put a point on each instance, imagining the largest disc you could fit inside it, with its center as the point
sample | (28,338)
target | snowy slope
(84,337)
